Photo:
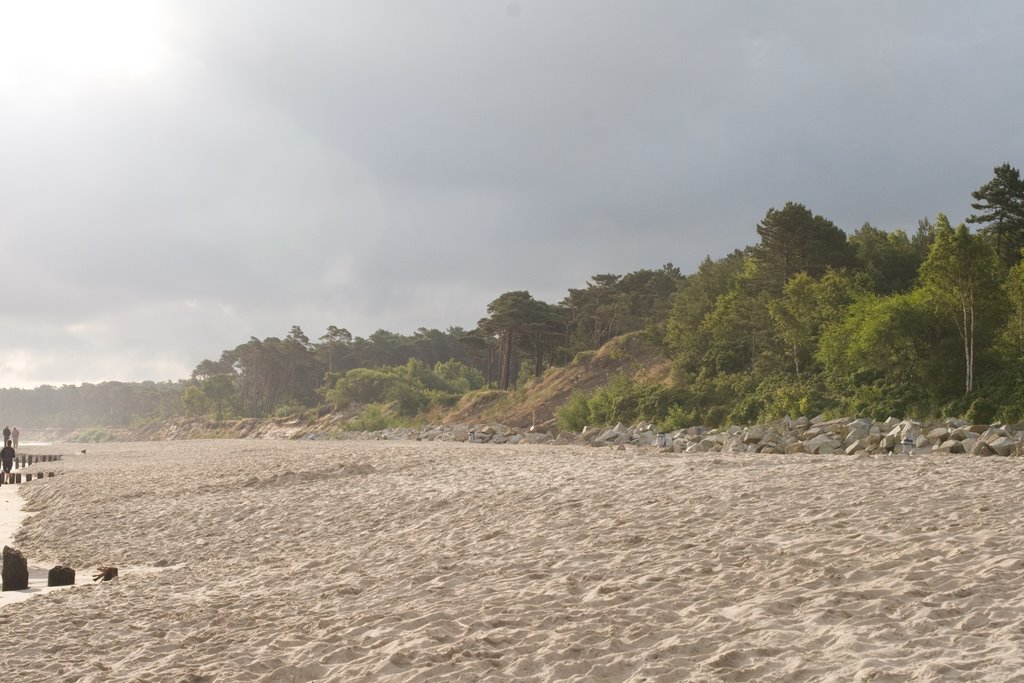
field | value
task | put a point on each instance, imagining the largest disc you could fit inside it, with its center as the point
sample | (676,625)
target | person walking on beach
(6,461)
(7,434)
(14,436)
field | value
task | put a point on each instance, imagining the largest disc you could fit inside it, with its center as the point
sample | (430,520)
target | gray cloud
(397,165)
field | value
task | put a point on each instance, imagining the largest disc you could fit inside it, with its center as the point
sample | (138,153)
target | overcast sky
(176,177)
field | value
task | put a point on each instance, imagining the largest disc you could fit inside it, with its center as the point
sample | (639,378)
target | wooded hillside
(808,320)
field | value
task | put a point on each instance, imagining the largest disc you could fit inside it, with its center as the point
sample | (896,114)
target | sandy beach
(405,561)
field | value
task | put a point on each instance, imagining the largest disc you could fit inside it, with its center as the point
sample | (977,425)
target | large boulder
(14,573)
(855,434)
(754,434)
(950,446)
(1003,445)
(981,448)
(822,444)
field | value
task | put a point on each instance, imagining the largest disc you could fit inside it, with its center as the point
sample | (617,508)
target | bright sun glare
(66,46)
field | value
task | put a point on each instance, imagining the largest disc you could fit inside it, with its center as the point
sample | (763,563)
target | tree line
(807,320)
(810,320)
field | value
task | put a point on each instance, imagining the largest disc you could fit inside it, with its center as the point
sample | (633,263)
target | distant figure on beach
(7,434)
(14,436)
(7,461)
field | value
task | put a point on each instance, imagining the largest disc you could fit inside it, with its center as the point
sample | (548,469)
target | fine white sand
(404,561)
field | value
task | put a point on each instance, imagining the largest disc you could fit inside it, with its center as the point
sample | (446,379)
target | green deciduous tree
(737,334)
(876,357)
(1014,330)
(194,401)
(219,390)
(962,277)
(889,259)
(694,299)
(797,319)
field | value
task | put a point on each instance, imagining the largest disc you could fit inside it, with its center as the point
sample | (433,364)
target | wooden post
(61,576)
(17,478)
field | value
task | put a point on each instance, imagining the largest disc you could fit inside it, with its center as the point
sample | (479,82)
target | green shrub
(678,416)
(289,409)
(715,416)
(621,400)
(411,387)
(982,410)
(372,418)
(407,398)
(574,414)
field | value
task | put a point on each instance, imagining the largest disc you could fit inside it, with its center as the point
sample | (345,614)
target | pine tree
(793,240)
(1000,203)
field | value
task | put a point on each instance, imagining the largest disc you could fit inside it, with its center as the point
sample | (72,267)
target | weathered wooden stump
(61,576)
(105,573)
(14,573)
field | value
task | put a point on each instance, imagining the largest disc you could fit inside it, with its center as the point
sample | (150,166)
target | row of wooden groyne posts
(23,461)
(13,566)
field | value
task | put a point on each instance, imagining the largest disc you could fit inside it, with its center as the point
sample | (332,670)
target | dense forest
(808,320)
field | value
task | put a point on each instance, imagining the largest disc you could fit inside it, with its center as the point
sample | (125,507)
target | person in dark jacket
(6,461)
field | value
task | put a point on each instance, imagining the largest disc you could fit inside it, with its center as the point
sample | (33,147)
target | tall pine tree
(793,240)
(1000,206)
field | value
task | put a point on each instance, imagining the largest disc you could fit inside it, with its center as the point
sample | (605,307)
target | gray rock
(856,434)
(981,448)
(1003,445)
(858,446)
(950,446)
(753,434)
(822,444)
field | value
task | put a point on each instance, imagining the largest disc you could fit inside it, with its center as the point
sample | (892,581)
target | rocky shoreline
(817,435)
